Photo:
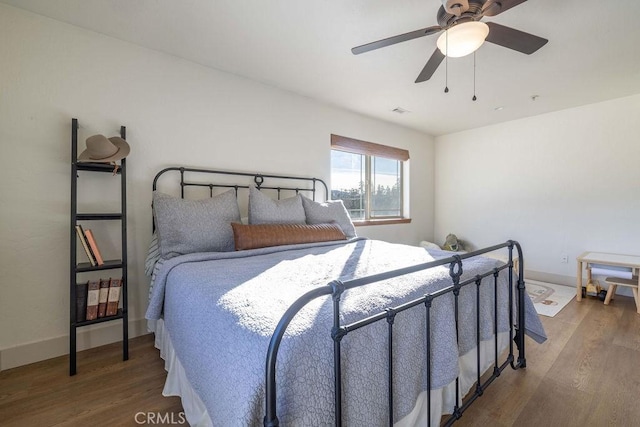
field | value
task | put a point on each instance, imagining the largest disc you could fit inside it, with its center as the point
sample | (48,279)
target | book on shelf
(81,302)
(85,244)
(114,297)
(93,295)
(102,297)
(93,246)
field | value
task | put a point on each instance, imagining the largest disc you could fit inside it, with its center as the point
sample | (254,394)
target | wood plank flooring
(105,392)
(586,374)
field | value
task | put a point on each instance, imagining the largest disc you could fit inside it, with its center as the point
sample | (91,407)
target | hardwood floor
(584,375)
(105,392)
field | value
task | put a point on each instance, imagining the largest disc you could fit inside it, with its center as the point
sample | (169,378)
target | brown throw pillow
(263,235)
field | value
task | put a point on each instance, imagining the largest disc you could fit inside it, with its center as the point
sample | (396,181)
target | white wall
(560,183)
(176,112)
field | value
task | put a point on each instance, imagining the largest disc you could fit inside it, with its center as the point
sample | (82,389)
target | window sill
(382,221)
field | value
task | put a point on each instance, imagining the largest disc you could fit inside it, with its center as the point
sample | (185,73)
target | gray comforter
(221,308)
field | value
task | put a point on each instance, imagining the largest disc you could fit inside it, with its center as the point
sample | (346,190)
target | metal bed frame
(336,288)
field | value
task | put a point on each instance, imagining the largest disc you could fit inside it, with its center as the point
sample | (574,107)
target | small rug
(549,298)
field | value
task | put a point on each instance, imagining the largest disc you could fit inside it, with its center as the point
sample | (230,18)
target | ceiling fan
(460,19)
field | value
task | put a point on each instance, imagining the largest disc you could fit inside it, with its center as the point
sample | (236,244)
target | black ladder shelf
(83,267)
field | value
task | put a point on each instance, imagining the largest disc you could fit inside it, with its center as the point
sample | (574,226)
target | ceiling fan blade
(495,7)
(431,66)
(395,39)
(514,39)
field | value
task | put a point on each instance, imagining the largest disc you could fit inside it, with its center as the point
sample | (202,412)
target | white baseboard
(87,337)
(550,278)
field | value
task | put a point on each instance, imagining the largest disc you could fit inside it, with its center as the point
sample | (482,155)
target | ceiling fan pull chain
(446,63)
(474,77)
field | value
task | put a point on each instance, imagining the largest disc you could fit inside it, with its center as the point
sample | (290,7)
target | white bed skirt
(442,400)
(177,383)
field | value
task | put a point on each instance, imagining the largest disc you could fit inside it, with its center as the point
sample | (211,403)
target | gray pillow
(265,210)
(188,226)
(331,211)
(153,255)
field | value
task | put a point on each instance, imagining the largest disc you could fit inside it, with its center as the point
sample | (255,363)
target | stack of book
(97,298)
(90,246)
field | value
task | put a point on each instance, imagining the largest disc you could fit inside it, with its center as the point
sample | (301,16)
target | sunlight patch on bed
(259,302)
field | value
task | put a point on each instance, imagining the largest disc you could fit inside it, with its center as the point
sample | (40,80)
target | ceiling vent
(400,110)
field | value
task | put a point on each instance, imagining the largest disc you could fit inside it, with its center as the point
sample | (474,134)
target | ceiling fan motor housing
(455,7)
(447,14)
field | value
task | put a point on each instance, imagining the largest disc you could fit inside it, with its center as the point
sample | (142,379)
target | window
(368,178)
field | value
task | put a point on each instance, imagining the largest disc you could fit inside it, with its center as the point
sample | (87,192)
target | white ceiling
(304,47)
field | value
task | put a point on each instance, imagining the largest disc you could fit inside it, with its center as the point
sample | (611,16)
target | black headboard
(195,177)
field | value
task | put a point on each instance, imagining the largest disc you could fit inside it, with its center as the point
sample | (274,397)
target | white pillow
(331,211)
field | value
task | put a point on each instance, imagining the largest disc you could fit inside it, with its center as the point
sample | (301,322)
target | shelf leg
(72,351)
(125,337)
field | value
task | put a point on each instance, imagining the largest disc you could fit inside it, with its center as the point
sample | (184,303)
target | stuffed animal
(452,243)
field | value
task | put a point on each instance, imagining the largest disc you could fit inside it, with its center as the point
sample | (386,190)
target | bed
(317,329)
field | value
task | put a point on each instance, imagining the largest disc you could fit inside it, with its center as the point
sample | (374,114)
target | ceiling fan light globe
(463,39)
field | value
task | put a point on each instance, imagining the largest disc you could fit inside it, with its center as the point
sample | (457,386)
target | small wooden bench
(613,283)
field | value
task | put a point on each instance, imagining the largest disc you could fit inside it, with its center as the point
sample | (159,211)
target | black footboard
(339,331)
